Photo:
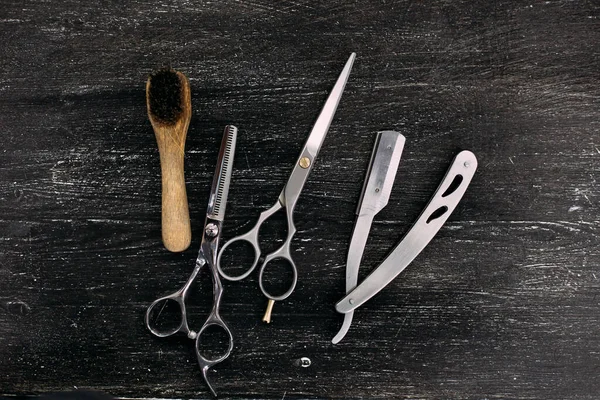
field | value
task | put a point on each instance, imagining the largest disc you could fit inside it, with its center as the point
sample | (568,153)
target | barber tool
(444,201)
(289,196)
(169,109)
(206,256)
(375,195)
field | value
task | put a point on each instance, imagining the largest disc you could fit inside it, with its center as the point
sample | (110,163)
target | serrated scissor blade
(220,185)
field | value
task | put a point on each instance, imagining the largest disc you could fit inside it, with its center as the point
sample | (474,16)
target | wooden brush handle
(176,230)
(170,137)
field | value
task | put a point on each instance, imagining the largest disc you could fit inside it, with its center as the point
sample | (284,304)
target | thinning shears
(289,196)
(207,256)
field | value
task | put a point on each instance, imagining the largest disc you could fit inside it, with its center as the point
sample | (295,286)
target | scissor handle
(282,253)
(250,237)
(213,320)
(183,326)
(288,197)
(178,297)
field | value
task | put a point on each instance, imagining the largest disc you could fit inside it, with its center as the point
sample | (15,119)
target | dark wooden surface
(503,303)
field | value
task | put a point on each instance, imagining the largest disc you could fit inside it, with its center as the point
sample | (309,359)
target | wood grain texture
(503,303)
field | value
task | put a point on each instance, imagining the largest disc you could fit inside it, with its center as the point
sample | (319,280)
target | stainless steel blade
(439,208)
(220,185)
(377,188)
(292,189)
(319,130)
(381,173)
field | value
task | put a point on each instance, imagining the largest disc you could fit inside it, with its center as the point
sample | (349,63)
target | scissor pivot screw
(304,162)
(467,164)
(351,301)
(211,230)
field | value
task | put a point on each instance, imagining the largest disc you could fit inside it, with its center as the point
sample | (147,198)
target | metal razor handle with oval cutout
(437,211)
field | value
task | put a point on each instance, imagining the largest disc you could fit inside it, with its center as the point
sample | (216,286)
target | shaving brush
(170,110)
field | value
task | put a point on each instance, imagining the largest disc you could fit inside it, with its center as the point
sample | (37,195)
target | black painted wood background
(503,303)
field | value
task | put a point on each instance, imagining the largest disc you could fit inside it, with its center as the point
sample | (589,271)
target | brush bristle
(165,95)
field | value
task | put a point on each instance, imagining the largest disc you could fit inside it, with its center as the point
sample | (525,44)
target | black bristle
(165,95)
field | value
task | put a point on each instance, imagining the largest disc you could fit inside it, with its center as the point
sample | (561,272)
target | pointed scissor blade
(319,130)
(220,185)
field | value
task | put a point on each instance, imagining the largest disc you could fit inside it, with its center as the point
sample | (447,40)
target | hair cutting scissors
(289,196)
(206,256)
